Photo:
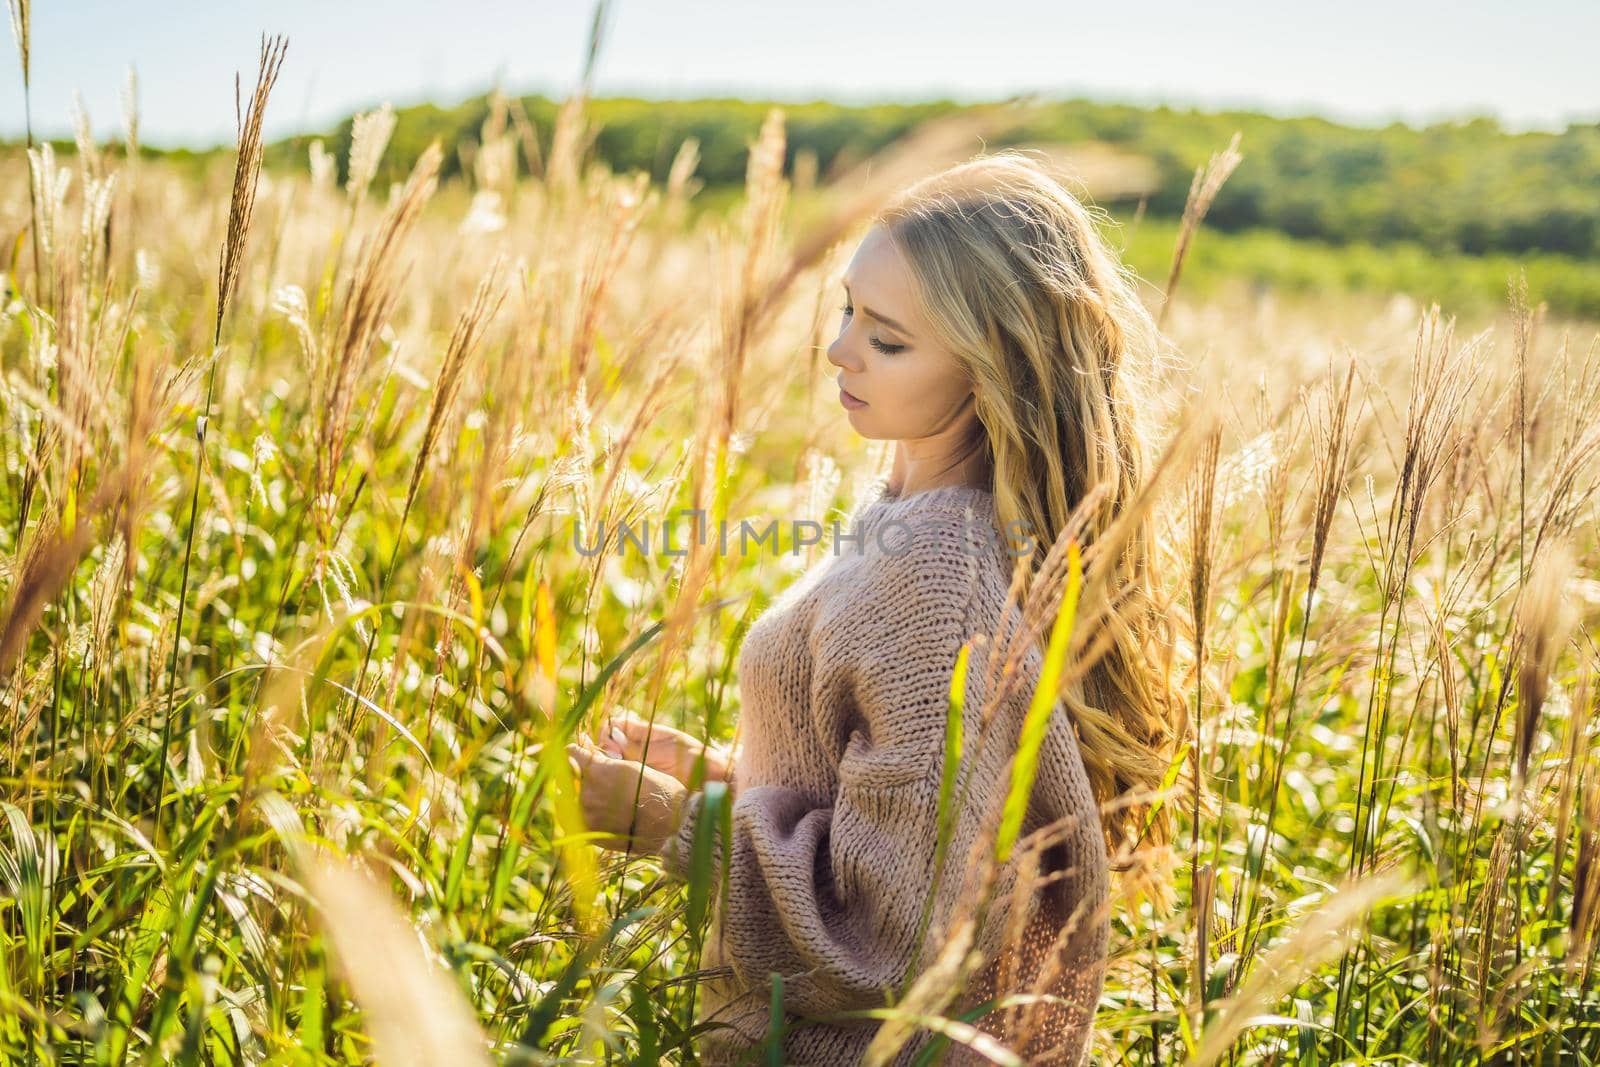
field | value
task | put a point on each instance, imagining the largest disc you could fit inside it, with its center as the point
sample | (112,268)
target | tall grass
(281,710)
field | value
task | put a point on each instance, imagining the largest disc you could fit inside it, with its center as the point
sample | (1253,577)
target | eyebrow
(881,318)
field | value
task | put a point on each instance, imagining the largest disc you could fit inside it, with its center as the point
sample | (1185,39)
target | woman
(988,331)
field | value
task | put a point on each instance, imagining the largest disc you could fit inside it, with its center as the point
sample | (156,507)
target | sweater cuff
(677,852)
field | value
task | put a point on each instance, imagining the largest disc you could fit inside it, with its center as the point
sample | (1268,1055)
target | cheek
(915,396)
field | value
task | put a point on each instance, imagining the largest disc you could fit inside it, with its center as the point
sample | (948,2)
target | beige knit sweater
(844,682)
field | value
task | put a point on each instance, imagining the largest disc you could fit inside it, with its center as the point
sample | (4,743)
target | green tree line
(1469,186)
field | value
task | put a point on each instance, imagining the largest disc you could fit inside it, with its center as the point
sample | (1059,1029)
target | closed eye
(881,346)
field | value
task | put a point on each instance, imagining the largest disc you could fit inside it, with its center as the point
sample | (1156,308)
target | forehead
(878,272)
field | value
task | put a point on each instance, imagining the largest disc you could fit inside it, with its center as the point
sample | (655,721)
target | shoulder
(930,566)
(936,538)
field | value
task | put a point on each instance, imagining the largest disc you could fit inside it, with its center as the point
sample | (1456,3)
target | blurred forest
(1466,187)
(1440,212)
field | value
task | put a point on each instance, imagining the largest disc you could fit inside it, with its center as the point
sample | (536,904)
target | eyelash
(887,350)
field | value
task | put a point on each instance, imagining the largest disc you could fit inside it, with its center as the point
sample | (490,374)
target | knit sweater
(844,685)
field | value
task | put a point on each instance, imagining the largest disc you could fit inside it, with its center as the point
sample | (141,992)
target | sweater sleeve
(830,894)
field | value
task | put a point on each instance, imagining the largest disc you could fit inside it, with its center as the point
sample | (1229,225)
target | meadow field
(293,627)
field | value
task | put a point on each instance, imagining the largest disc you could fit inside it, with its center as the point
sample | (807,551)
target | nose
(839,355)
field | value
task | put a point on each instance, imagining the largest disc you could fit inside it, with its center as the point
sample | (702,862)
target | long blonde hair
(1019,284)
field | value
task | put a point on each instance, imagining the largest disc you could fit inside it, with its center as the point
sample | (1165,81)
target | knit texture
(844,682)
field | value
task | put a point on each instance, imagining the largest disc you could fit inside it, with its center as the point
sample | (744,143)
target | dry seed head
(484,214)
(20,24)
(88,154)
(369,136)
(147,269)
(1245,470)
(1545,617)
(130,111)
(247,170)
(50,185)
(323,166)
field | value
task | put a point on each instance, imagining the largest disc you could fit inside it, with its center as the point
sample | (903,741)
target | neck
(935,462)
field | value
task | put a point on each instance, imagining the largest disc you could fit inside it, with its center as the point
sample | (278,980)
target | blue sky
(1533,66)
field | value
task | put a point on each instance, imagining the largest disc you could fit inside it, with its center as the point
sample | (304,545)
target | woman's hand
(606,788)
(624,736)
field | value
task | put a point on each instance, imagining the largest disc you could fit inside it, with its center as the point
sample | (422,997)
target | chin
(865,430)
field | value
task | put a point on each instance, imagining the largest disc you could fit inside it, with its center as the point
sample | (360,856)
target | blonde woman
(991,334)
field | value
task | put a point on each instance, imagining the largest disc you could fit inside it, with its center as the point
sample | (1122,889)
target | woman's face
(905,386)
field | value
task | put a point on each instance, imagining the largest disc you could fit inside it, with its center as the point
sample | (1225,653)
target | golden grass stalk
(665,368)
(629,200)
(1544,618)
(681,182)
(931,992)
(1441,390)
(22,29)
(1323,934)
(569,142)
(48,567)
(369,136)
(21,21)
(494,160)
(1021,908)
(130,114)
(1057,958)
(1203,190)
(486,301)
(464,341)
(47,192)
(369,299)
(1566,797)
(245,172)
(1332,435)
(1570,480)
(89,161)
(1583,926)
(766,193)
(937,986)
(414,1012)
(1204,528)
(1040,709)
(527,136)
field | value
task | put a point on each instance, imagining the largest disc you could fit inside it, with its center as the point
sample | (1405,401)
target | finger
(632,726)
(627,745)
(598,755)
(577,757)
